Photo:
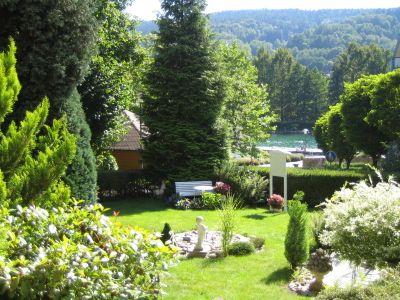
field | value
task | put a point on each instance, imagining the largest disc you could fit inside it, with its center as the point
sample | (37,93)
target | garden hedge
(125,183)
(317,184)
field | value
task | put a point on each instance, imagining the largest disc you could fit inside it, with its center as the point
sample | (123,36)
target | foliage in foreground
(362,223)
(33,156)
(296,240)
(55,41)
(78,253)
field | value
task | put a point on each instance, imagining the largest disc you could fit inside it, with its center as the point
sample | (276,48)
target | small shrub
(258,242)
(245,183)
(241,248)
(298,196)
(77,252)
(166,233)
(106,162)
(222,188)
(211,200)
(227,215)
(275,201)
(184,204)
(296,240)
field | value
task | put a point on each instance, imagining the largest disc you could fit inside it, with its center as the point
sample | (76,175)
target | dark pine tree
(184,98)
(55,41)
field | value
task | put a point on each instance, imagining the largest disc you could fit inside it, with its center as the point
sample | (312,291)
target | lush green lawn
(263,275)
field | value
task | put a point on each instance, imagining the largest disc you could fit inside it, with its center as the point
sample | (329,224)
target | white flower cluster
(79,253)
(363,223)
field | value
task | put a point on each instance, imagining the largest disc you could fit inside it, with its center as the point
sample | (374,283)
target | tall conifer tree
(55,41)
(184,98)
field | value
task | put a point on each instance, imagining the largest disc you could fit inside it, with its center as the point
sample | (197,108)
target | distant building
(396,56)
(127,152)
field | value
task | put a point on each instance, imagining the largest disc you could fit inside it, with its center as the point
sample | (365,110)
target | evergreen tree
(31,165)
(56,40)
(184,97)
(296,240)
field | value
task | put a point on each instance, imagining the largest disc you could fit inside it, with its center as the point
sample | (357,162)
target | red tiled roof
(131,141)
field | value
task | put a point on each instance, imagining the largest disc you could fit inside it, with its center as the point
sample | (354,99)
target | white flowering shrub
(363,223)
(79,253)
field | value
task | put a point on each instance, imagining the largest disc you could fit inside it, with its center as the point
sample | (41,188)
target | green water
(291,141)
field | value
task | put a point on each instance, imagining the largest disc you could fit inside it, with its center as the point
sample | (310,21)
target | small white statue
(201,233)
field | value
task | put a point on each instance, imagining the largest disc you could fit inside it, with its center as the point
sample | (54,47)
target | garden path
(344,274)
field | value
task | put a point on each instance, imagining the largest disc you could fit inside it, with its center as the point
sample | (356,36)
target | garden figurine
(201,233)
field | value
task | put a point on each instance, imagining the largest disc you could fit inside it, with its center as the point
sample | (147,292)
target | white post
(271,185)
(285,201)
(278,168)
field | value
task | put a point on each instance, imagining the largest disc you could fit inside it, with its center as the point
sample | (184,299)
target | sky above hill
(148,9)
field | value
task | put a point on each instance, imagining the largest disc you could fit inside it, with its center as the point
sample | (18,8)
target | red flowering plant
(275,201)
(222,188)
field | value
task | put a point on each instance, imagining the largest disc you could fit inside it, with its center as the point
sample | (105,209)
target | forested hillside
(315,37)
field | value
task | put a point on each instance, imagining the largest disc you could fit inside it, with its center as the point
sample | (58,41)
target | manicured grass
(263,275)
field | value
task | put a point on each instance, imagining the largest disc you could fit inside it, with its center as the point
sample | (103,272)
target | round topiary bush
(241,249)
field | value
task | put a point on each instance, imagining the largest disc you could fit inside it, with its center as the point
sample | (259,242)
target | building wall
(128,159)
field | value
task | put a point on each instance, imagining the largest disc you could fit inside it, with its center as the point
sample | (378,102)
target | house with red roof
(127,151)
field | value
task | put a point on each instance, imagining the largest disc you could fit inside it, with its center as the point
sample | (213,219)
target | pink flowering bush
(275,201)
(222,188)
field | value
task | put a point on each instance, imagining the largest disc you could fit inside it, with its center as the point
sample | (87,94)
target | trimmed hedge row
(317,184)
(125,183)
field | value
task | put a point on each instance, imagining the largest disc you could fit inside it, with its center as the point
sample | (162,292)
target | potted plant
(275,202)
(320,263)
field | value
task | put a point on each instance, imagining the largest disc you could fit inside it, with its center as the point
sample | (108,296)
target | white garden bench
(187,188)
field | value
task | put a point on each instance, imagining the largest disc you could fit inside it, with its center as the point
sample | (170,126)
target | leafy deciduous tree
(355,61)
(114,79)
(246,106)
(356,104)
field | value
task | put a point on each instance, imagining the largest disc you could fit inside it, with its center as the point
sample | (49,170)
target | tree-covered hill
(315,37)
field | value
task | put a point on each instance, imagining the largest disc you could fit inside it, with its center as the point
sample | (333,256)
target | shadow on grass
(282,274)
(130,206)
(255,217)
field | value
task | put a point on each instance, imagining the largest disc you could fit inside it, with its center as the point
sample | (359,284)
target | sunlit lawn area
(263,275)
